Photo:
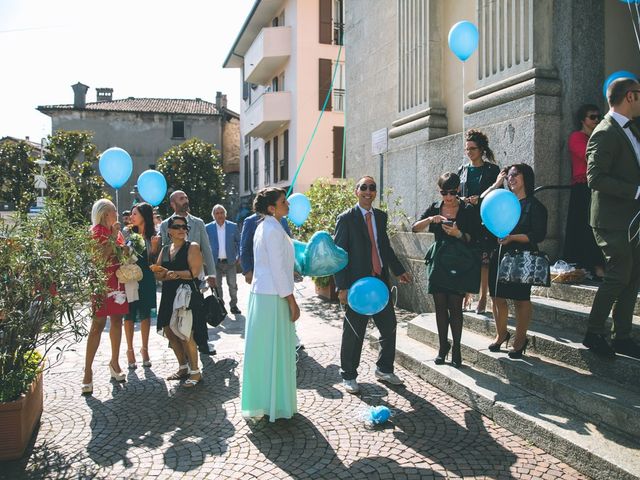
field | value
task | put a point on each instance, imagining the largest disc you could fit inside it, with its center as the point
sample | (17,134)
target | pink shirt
(578,148)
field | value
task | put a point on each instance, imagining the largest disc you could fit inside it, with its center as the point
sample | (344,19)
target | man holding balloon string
(362,232)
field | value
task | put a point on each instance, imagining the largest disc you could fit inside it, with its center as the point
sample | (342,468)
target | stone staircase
(581,408)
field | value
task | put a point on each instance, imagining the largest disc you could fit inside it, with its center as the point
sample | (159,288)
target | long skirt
(579,244)
(269,373)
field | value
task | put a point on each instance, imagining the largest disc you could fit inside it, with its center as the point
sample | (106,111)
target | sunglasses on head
(595,116)
(449,192)
(179,226)
(371,187)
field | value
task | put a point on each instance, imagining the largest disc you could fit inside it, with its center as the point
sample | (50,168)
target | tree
(194,167)
(16,170)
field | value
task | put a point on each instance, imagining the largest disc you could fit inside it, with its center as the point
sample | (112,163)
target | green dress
(269,373)
(141,309)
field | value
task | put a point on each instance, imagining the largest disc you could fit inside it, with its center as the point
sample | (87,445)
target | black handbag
(213,309)
(454,265)
(525,267)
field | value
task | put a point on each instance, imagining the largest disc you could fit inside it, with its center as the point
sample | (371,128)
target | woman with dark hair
(178,264)
(448,219)
(530,230)
(269,373)
(475,178)
(580,246)
(145,244)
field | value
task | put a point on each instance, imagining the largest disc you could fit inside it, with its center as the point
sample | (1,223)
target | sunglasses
(449,192)
(594,117)
(180,227)
(371,187)
(513,175)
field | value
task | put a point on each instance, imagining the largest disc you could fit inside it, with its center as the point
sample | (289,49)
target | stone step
(576,293)
(608,405)
(592,450)
(569,316)
(565,347)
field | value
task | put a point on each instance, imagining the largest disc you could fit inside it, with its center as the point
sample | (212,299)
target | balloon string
(635,29)
(395,301)
(344,314)
(315,129)
(632,235)
(117,205)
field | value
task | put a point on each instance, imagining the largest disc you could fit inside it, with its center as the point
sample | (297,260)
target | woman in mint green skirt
(269,373)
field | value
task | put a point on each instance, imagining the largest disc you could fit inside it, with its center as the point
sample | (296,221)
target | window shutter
(276,160)
(338,137)
(267,163)
(245,90)
(326,27)
(324,82)
(284,173)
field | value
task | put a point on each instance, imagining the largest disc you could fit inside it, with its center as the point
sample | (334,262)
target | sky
(140,48)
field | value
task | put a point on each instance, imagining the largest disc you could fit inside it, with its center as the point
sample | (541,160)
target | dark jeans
(351,347)
(620,285)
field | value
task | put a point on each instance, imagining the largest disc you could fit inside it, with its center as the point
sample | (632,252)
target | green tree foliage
(16,170)
(194,167)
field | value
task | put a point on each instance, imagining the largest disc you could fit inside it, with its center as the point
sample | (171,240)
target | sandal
(183,372)
(132,365)
(87,388)
(145,363)
(192,382)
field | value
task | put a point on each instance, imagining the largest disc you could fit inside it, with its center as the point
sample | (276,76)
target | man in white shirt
(224,238)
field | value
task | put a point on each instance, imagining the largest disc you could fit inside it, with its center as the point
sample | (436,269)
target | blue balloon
(323,257)
(463,39)
(615,76)
(115,166)
(152,186)
(299,208)
(379,414)
(500,212)
(368,296)
(299,256)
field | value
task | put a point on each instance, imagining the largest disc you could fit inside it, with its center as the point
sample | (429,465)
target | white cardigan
(273,259)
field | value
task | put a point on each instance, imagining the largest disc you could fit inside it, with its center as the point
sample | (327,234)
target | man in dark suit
(613,173)
(224,238)
(362,232)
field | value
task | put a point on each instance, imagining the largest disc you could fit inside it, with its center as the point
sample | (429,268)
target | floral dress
(106,305)
(141,308)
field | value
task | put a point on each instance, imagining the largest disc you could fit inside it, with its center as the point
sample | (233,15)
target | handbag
(213,309)
(453,265)
(181,323)
(525,267)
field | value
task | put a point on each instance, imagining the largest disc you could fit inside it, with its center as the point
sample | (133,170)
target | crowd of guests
(182,251)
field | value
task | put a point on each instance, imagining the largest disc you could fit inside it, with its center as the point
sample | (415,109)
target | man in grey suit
(179,202)
(224,238)
(613,173)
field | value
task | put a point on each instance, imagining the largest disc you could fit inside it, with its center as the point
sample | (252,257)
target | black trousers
(353,332)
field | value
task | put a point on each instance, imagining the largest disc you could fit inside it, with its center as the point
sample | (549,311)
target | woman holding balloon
(450,220)
(475,178)
(530,228)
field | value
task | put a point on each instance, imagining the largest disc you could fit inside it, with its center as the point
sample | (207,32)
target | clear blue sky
(140,48)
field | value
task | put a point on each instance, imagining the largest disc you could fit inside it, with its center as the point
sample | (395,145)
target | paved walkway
(152,428)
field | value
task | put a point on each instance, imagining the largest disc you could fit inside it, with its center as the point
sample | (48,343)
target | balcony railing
(267,55)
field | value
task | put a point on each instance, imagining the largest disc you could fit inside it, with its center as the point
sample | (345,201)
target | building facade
(287,53)
(147,127)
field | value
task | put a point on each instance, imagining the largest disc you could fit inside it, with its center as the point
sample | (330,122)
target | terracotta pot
(328,292)
(18,420)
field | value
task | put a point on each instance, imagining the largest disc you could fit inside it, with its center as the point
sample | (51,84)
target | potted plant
(49,271)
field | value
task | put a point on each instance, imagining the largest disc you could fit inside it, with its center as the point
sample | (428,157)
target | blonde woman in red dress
(106,231)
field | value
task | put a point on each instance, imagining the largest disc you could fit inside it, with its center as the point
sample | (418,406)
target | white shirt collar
(220,226)
(364,211)
(618,117)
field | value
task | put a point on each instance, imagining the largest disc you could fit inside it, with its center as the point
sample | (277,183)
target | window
(274,84)
(278,21)
(256,164)
(331,21)
(338,87)
(267,163)
(247,173)
(178,129)
(324,82)
(281,82)
(338,143)
(276,161)
(338,22)
(284,163)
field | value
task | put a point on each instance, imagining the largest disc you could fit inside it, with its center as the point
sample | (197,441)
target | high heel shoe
(456,357)
(495,347)
(481,307)
(145,363)
(518,353)
(117,376)
(132,365)
(442,355)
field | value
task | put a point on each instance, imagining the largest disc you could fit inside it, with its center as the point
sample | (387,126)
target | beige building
(287,52)
(147,127)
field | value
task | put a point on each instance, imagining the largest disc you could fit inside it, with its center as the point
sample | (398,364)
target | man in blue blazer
(362,232)
(224,238)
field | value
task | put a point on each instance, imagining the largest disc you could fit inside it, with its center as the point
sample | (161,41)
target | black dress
(466,221)
(533,223)
(170,287)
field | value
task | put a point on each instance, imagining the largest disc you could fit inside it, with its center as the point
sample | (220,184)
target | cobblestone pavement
(153,428)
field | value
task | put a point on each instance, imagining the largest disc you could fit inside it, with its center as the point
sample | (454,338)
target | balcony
(269,112)
(268,53)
